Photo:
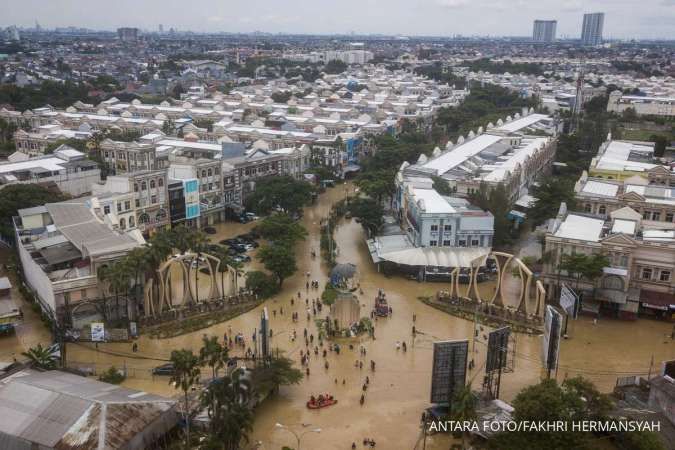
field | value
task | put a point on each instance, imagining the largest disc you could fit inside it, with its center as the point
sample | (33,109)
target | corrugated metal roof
(67,412)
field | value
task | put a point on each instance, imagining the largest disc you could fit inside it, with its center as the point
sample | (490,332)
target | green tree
(41,357)
(185,376)
(213,354)
(231,420)
(549,195)
(278,259)
(276,371)
(369,212)
(495,200)
(204,123)
(285,193)
(549,402)
(442,186)
(579,265)
(377,184)
(112,376)
(334,66)
(261,284)
(660,144)
(281,96)
(18,196)
(463,407)
(281,227)
(169,127)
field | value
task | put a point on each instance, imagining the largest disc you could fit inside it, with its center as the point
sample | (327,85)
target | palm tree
(225,261)
(213,354)
(103,274)
(463,407)
(226,400)
(186,374)
(120,275)
(137,260)
(181,238)
(40,357)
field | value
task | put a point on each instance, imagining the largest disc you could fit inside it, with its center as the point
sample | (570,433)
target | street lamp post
(298,436)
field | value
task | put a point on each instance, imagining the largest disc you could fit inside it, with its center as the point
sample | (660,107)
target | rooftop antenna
(579,95)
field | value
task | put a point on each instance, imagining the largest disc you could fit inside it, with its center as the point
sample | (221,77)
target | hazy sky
(623,18)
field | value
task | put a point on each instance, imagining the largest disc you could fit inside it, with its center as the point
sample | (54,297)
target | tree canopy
(18,196)
(286,193)
(278,259)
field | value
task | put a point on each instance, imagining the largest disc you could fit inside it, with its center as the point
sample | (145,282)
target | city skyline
(652,20)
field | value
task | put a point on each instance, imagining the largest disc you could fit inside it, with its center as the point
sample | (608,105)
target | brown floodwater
(399,388)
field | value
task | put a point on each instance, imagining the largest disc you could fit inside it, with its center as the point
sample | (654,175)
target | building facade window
(160,182)
(646,274)
(447,243)
(434,228)
(656,215)
(433,243)
(144,186)
(475,242)
(587,207)
(602,209)
(665,275)
(669,217)
(447,227)
(152,184)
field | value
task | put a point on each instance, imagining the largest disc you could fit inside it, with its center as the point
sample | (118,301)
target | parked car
(251,216)
(242,258)
(164,369)
(209,230)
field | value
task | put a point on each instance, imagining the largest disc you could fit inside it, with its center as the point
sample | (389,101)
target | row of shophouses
(160,179)
(625,210)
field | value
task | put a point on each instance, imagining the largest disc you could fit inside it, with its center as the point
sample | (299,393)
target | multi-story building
(654,201)
(123,157)
(510,154)
(591,30)
(150,205)
(61,247)
(34,143)
(70,169)
(207,174)
(639,277)
(618,160)
(432,220)
(127,34)
(642,105)
(544,30)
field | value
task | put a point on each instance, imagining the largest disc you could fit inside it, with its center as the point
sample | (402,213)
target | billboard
(448,373)
(97,332)
(497,350)
(264,333)
(551,339)
(569,301)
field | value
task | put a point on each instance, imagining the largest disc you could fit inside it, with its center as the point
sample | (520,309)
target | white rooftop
(432,201)
(615,157)
(523,122)
(599,188)
(624,226)
(456,156)
(581,228)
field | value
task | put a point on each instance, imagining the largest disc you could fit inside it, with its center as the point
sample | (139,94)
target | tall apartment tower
(591,31)
(544,30)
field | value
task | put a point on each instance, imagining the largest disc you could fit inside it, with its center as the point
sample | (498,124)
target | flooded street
(399,387)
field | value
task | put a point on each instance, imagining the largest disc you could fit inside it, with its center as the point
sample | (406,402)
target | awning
(439,257)
(657,300)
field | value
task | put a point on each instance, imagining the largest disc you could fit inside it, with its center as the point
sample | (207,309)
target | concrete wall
(36,279)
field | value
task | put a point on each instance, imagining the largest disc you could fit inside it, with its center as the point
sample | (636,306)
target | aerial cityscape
(433,225)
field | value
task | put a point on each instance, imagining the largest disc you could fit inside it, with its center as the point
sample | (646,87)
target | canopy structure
(438,256)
